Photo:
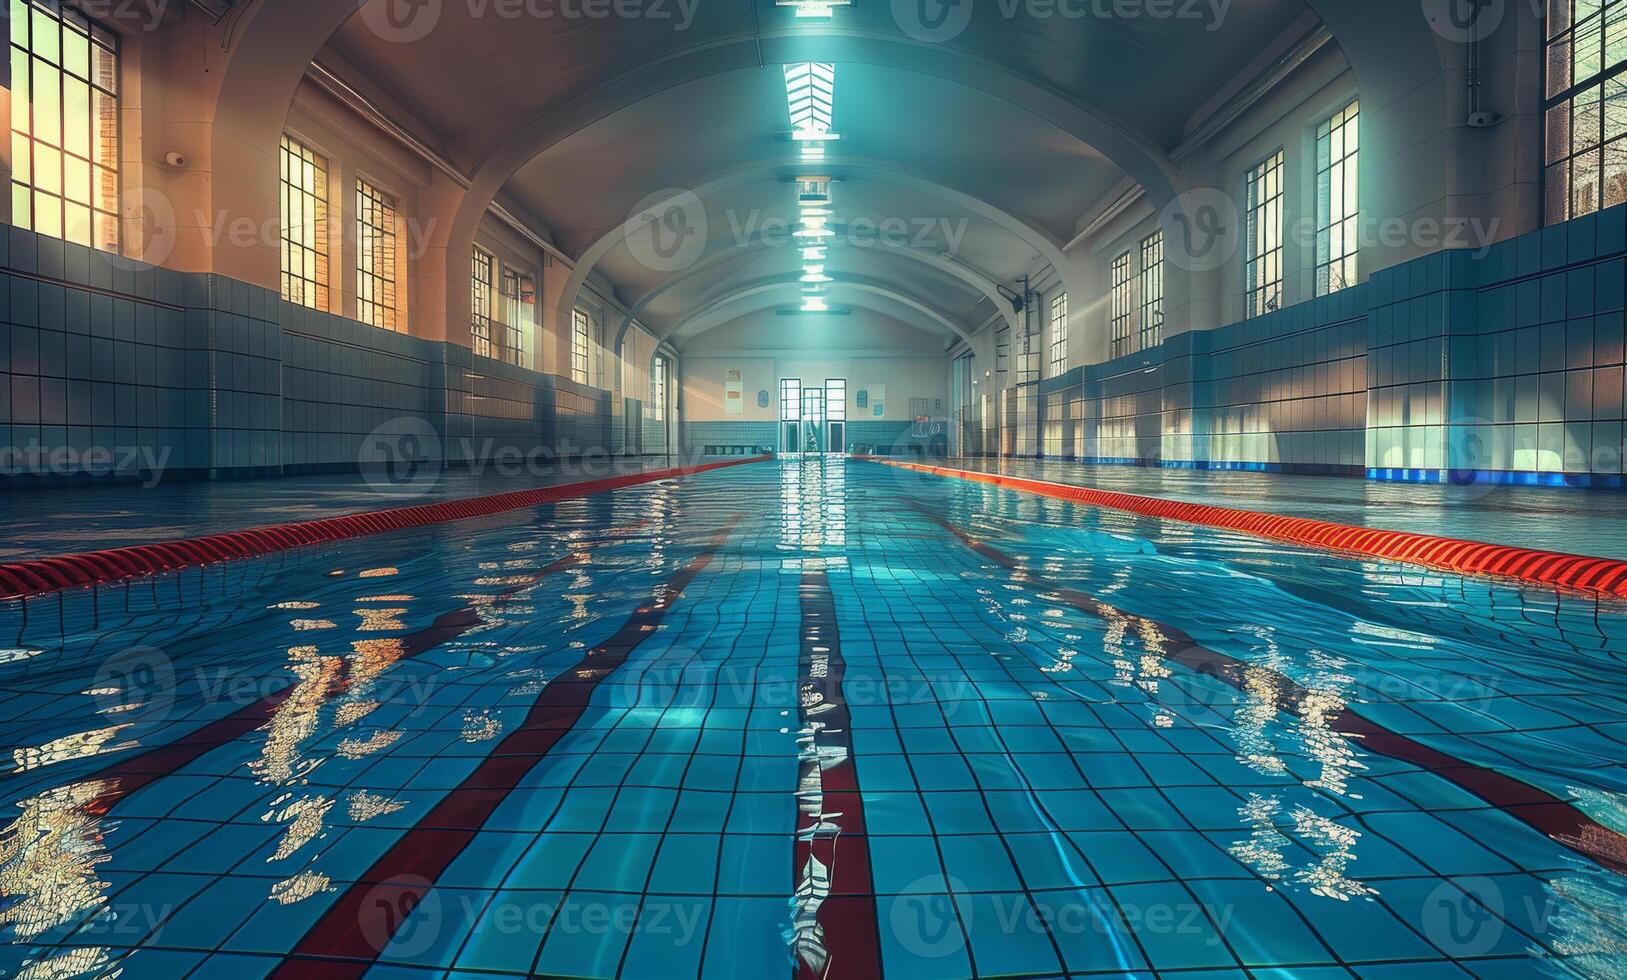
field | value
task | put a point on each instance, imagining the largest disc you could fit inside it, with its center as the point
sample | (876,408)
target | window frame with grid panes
(304,180)
(1150,288)
(378,252)
(1263,196)
(1584,108)
(482,283)
(836,399)
(659,368)
(1059,334)
(1338,200)
(519,314)
(1121,305)
(77,139)
(581,349)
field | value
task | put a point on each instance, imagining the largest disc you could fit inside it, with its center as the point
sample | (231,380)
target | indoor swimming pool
(813,718)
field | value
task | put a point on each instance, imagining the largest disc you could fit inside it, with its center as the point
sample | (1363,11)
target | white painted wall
(904,377)
(866,349)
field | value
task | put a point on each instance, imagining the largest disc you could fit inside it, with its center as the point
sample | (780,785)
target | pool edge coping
(1593,576)
(36,577)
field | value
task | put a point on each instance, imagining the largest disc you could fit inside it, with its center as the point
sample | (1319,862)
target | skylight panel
(810,90)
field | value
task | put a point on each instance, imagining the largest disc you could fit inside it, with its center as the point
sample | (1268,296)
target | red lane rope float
(41,576)
(1605,577)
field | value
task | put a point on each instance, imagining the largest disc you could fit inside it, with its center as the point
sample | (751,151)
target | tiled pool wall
(698,435)
(1503,365)
(111,367)
(1500,365)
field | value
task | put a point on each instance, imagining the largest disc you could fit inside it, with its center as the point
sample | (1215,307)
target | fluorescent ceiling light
(812,8)
(802,311)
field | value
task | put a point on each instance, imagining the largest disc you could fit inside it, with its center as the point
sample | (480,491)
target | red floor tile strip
(129,775)
(41,576)
(1597,577)
(349,936)
(1560,820)
(834,921)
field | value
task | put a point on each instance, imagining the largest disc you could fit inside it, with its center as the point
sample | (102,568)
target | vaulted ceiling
(966,158)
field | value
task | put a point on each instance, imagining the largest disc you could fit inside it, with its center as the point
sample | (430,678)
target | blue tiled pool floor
(810,718)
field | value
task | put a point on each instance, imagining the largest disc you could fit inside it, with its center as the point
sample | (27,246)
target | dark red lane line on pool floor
(1596,577)
(834,920)
(129,775)
(42,576)
(349,936)
(1558,819)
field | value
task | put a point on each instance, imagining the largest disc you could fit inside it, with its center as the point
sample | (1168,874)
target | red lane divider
(834,920)
(42,576)
(360,924)
(1560,820)
(1578,573)
(126,776)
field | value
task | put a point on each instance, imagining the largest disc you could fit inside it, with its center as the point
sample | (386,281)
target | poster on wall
(734,392)
(878,401)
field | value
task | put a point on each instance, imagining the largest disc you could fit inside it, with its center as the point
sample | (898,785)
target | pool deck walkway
(48,521)
(42,522)
(1583,522)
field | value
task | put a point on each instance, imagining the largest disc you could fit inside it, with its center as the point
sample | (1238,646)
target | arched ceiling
(985,148)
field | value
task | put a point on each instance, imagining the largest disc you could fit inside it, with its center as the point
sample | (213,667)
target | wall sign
(734,392)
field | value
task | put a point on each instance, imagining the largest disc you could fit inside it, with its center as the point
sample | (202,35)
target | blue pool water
(813,718)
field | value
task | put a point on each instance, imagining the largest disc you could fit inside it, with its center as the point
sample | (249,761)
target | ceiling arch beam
(267,48)
(963,271)
(1389,44)
(1136,154)
(1039,241)
(766,293)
